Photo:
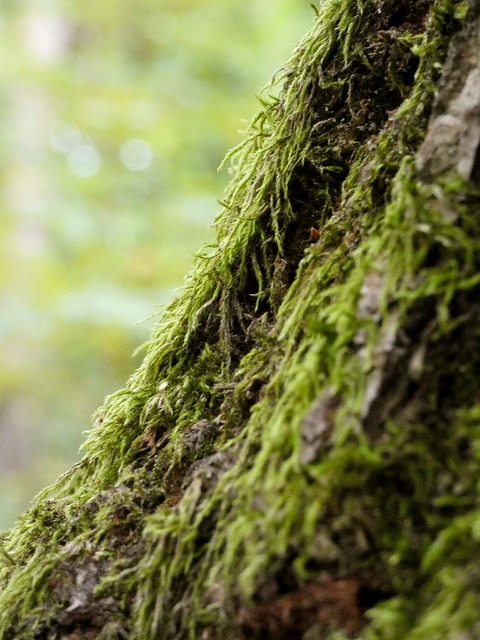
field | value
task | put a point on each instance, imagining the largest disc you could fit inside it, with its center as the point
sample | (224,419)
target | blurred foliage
(114,118)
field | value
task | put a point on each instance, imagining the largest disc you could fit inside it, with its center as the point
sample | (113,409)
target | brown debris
(330,604)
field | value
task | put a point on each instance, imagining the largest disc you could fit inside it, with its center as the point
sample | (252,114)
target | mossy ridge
(248,272)
(258,199)
(142,406)
(279,439)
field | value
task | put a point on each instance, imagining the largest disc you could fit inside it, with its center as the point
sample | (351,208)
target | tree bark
(298,455)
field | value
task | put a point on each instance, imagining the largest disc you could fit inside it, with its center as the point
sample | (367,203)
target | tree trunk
(299,454)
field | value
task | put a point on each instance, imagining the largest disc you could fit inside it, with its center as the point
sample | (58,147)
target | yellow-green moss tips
(298,454)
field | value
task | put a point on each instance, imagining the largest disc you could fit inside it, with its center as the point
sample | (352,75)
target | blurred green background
(114,117)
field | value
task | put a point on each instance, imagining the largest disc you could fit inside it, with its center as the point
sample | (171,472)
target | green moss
(295,427)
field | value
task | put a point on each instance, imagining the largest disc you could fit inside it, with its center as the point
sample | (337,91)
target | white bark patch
(453,139)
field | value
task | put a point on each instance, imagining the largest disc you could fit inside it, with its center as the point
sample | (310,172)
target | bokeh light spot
(84,161)
(136,154)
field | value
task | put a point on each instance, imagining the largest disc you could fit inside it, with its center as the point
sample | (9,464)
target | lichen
(297,456)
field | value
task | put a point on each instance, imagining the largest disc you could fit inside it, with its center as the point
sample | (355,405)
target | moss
(298,453)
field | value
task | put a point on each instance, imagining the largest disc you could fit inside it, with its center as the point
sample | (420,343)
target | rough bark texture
(299,454)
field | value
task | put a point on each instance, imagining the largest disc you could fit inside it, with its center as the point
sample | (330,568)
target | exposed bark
(298,456)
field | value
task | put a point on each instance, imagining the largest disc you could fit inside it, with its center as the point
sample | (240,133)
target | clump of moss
(303,433)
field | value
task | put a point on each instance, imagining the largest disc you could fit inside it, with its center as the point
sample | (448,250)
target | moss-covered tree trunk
(299,454)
